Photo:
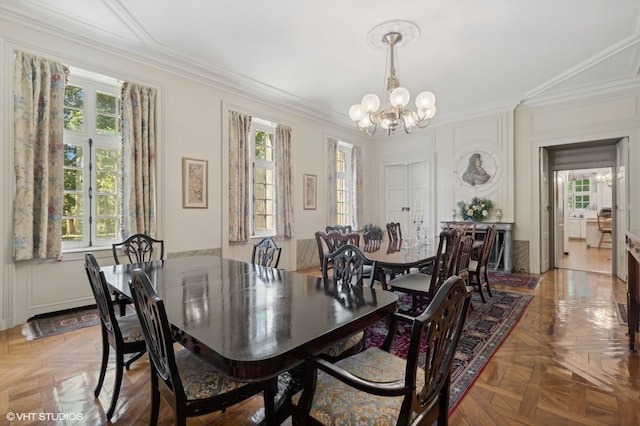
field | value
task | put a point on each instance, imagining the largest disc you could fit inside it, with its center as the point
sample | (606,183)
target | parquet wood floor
(565,363)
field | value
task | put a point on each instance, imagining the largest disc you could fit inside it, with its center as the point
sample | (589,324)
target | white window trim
(268,127)
(347,148)
(91,83)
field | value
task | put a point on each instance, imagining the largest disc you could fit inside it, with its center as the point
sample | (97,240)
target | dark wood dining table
(398,256)
(253,322)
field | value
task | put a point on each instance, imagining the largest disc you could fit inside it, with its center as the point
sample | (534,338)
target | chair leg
(155,398)
(116,385)
(103,366)
(127,365)
(486,280)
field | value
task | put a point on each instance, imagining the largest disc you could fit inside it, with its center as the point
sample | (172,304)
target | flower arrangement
(477,209)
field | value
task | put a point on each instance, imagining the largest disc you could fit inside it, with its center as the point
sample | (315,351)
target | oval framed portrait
(477,168)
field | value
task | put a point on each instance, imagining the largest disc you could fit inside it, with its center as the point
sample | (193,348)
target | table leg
(270,392)
(382,276)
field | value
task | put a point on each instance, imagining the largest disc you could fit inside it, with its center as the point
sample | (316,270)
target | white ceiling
(314,56)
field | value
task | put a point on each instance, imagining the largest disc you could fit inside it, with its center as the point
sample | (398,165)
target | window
(92,162)
(579,194)
(262,138)
(344,185)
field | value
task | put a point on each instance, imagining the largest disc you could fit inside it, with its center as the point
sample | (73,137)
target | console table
(632,239)
(502,258)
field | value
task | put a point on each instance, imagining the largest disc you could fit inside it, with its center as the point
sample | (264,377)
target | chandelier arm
(423,123)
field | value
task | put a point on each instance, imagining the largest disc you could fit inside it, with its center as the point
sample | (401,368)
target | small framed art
(310,189)
(194,183)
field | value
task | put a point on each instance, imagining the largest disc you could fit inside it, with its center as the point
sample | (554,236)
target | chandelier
(366,114)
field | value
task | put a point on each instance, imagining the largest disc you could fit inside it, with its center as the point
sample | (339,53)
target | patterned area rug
(58,323)
(514,280)
(486,327)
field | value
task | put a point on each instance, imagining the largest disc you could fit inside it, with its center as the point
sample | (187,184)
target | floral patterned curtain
(332,196)
(356,170)
(239,127)
(284,180)
(139,147)
(38,156)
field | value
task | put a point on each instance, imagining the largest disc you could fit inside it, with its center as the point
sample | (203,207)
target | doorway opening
(583,201)
(585,179)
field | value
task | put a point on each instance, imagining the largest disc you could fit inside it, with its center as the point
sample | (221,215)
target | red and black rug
(529,281)
(486,328)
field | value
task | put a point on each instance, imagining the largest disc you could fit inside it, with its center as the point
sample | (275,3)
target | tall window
(344,185)
(92,161)
(262,138)
(579,194)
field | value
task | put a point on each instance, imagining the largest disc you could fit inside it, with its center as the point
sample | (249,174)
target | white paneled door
(407,196)
(621,209)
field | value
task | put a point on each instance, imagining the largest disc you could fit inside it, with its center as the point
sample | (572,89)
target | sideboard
(502,257)
(632,239)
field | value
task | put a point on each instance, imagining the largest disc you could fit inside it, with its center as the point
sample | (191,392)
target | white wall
(614,115)
(191,125)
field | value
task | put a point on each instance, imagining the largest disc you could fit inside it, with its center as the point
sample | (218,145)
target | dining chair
(347,269)
(378,387)
(463,257)
(604,226)
(464,228)
(328,242)
(372,240)
(266,253)
(123,333)
(479,269)
(394,231)
(425,285)
(194,386)
(137,248)
(343,229)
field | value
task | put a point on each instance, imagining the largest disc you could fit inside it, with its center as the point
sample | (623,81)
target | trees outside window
(344,185)
(92,162)
(262,139)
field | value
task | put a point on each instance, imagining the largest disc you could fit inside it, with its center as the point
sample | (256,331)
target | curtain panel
(284,182)
(139,147)
(239,128)
(38,156)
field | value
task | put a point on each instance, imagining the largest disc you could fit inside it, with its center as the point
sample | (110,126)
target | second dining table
(398,256)
(253,322)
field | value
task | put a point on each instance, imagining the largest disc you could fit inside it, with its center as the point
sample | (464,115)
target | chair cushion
(199,378)
(345,344)
(335,403)
(412,282)
(130,328)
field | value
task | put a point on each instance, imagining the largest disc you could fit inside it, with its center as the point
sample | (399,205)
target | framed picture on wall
(310,188)
(194,183)
(476,168)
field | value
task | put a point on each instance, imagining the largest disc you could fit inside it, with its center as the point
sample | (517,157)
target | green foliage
(477,209)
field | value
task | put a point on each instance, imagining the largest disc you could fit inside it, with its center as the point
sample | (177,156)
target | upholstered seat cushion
(199,378)
(335,403)
(417,282)
(130,328)
(345,344)
(473,265)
